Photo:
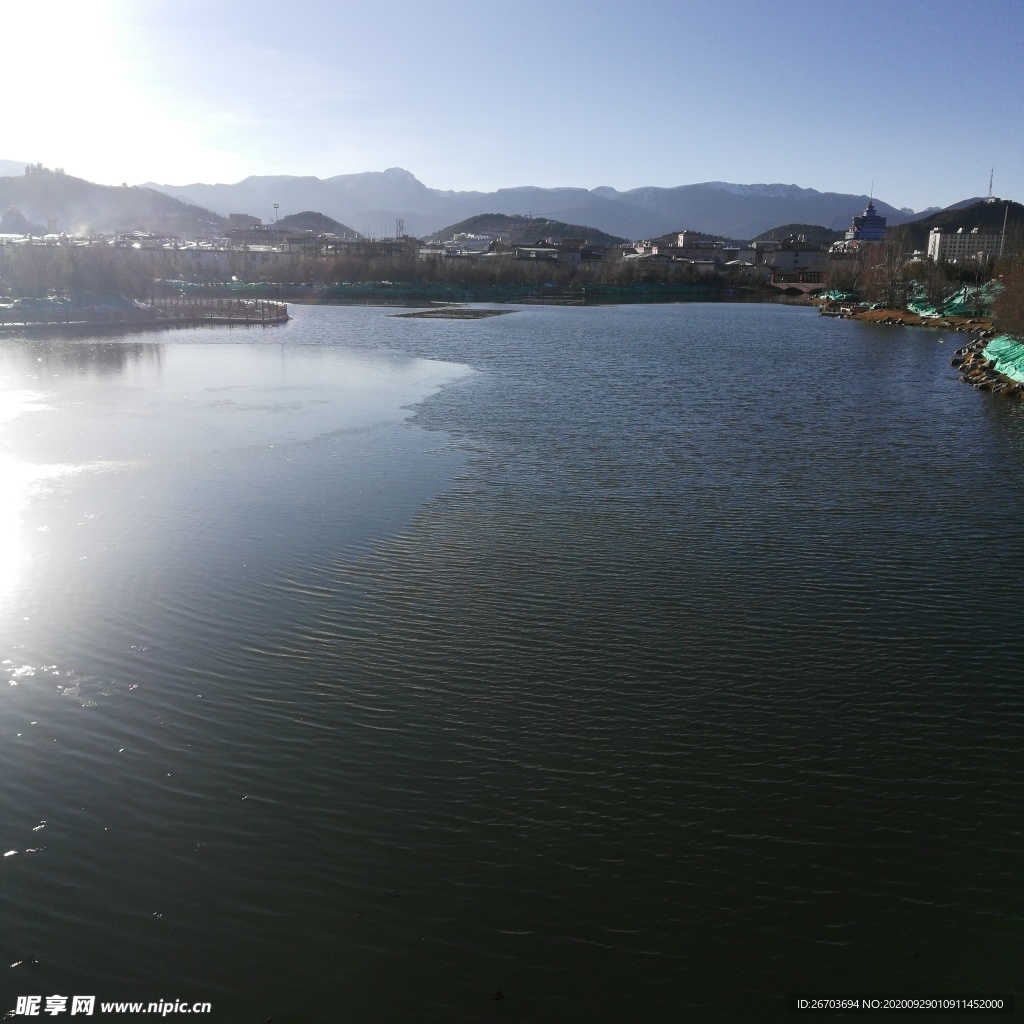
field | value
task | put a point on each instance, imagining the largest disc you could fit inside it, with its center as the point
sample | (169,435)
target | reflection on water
(91,358)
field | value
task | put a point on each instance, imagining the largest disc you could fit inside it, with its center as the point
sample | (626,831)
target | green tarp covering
(1008,355)
(970,300)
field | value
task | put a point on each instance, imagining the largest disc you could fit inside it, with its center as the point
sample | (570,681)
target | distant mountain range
(373,201)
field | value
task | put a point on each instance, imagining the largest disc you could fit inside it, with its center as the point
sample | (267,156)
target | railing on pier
(222,310)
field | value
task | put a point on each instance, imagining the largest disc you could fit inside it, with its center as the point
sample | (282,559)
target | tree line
(72,272)
(884,273)
(78,272)
(880,273)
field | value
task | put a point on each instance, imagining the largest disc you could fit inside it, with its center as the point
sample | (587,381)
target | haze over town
(913,100)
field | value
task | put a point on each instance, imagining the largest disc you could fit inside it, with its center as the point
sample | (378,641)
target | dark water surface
(639,663)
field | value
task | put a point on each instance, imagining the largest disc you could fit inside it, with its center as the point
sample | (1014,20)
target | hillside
(310,220)
(814,233)
(80,207)
(522,230)
(672,237)
(979,214)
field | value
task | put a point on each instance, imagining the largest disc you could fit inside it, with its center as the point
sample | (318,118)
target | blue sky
(920,98)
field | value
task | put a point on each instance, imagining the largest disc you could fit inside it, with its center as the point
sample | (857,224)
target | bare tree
(843,273)
(885,276)
(1008,308)
(938,281)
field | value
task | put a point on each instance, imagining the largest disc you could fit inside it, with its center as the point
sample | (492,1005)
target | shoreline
(905,318)
(979,370)
(221,307)
(413,295)
(976,367)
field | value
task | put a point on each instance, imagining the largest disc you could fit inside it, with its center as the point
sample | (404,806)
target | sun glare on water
(18,480)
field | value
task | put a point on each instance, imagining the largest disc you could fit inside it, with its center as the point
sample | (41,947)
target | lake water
(635,663)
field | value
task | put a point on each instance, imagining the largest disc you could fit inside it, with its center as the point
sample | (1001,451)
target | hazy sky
(921,97)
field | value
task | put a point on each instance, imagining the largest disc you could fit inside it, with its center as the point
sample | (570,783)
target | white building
(955,246)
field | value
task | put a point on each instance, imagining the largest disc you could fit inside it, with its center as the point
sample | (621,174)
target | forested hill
(310,220)
(523,230)
(76,206)
(813,233)
(978,215)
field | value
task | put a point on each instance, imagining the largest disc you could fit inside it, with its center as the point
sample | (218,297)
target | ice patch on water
(88,690)
(82,689)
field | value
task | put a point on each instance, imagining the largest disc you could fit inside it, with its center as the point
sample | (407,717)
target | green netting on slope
(916,302)
(1008,355)
(970,300)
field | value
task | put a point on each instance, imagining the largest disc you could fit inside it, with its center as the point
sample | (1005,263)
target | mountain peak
(776,190)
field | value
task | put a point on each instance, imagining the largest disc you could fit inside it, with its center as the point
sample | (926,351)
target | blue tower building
(868,227)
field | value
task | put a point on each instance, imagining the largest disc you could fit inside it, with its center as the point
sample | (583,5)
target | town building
(796,261)
(946,246)
(593,259)
(743,254)
(689,243)
(539,253)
